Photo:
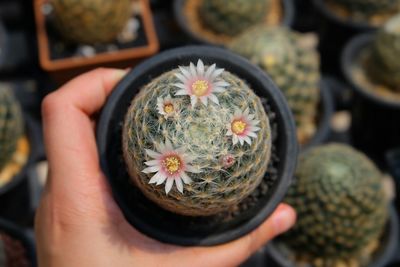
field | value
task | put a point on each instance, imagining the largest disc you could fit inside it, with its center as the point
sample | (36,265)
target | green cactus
(11,126)
(91,21)
(340,202)
(218,130)
(231,17)
(383,65)
(367,8)
(291,60)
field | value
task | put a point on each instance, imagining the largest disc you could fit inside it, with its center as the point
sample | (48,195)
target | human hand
(79,224)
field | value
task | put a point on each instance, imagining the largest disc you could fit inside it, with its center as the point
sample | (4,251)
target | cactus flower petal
(242,127)
(170,164)
(200,83)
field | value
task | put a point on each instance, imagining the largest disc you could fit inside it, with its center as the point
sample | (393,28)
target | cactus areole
(196,140)
(198,145)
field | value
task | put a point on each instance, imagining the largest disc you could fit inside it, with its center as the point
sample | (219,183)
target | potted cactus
(370,65)
(16,247)
(206,149)
(218,21)
(18,147)
(340,20)
(75,36)
(344,216)
(292,61)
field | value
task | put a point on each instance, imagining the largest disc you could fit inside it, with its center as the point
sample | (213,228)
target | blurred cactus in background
(341,205)
(91,21)
(292,61)
(383,64)
(231,17)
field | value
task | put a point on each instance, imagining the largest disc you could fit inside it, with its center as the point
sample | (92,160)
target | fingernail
(119,74)
(284,220)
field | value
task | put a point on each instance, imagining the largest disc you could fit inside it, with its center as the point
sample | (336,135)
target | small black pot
(304,19)
(288,17)
(23,236)
(375,127)
(393,162)
(3,44)
(326,109)
(383,256)
(15,195)
(334,32)
(148,217)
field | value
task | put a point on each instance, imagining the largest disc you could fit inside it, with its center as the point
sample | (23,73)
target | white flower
(200,83)
(166,106)
(170,165)
(242,127)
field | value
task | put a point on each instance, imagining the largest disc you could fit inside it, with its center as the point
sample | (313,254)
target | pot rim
(288,19)
(355,25)
(240,65)
(349,55)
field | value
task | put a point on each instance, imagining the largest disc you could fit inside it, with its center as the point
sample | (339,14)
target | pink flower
(170,165)
(200,83)
(242,127)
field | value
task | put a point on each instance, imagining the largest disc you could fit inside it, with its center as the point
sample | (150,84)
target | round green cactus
(291,60)
(231,17)
(340,202)
(366,8)
(11,126)
(383,65)
(201,129)
(91,21)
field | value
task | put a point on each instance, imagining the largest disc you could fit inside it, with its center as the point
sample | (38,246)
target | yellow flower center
(238,126)
(168,108)
(171,164)
(200,87)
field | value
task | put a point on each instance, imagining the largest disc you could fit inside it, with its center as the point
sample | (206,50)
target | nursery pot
(15,195)
(287,20)
(3,44)
(66,65)
(334,32)
(21,235)
(383,256)
(375,127)
(326,109)
(161,224)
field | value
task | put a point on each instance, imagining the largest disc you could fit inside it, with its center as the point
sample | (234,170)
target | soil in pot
(344,217)
(132,35)
(373,77)
(193,16)
(171,227)
(16,247)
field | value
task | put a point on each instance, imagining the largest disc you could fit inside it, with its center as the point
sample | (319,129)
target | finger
(68,132)
(233,253)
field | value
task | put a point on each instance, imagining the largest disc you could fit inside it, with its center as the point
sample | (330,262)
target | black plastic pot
(383,256)
(334,32)
(375,127)
(393,162)
(326,109)
(3,44)
(146,216)
(288,17)
(23,236)
(15,195)
(304,19)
